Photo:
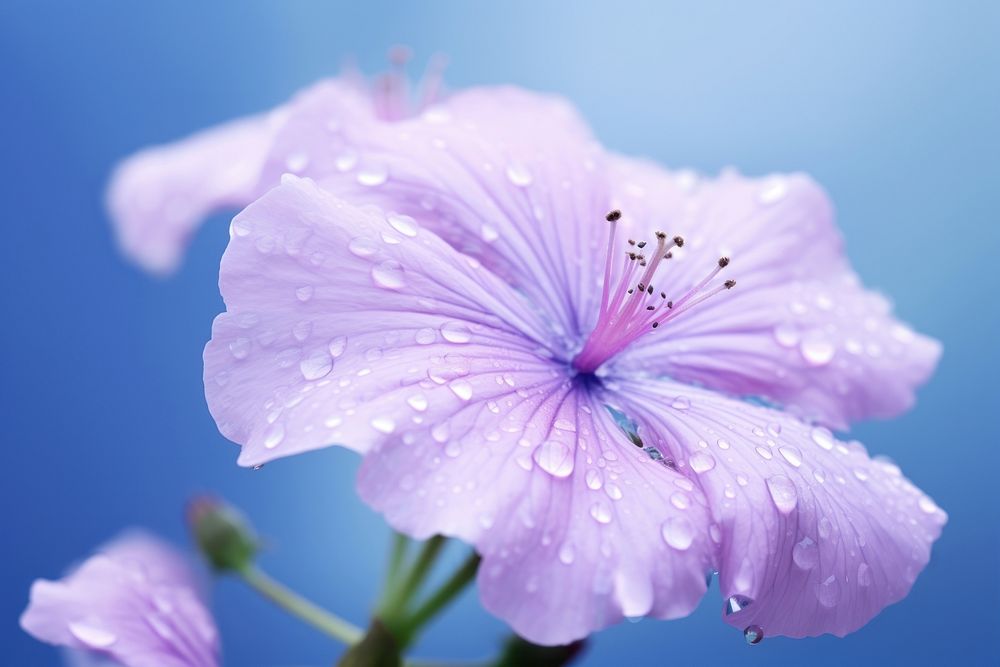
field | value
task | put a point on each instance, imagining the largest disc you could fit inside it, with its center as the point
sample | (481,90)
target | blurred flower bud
(223,536)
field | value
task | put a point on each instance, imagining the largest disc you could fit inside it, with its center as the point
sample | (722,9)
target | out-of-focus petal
(345,325)
(576,526)
(798,329)
(816,537)
(136,603)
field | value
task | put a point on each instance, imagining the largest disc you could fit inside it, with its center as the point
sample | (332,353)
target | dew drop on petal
(388,275)
(362,247)
(701,462)
(753,634)
(681,403)
(240,348)
(489,233)
(786,335)
(92,636)
(316,365)
(418,402)
(456,332)
(791,454)
(275,434)
(567,554)
(864,575)
(373,175)
(519,174)
(677,532)
(816,349)
(337,346)
(554,457)
(462,389)
(304,293)
(822,437)
(403,224)
(594,479)
(783,493)
(383,424)
(600,512)
(805,554)
(828,592)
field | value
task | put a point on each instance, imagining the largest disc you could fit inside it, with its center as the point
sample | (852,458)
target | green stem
(438,600)
(300,607)
(399,597)
(400,544)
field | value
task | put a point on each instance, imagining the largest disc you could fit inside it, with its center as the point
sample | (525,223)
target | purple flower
(158,197)
(444,295)
(135,603)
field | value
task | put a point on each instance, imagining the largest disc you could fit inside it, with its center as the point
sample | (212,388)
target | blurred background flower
(891,107)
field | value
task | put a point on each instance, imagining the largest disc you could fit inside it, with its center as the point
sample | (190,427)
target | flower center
(391,94)
(630,304)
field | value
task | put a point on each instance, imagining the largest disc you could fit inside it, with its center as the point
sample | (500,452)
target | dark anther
(723,262)
(668,255)
(661,235)
(642,287)
(679,241)
(631,256)
(650,308)
(729,284)
(642,262)
(641,244)
(630,291)
(670,304)
(656,324)
(613,215)
(649,290)
(631,242)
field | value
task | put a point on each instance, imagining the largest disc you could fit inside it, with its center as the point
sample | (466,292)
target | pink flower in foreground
(159,196)
(135,603)
(443,295)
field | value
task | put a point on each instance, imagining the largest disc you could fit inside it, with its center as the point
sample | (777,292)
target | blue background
(891,105)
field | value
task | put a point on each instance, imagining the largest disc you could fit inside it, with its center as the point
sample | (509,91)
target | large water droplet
(567,554)
(594,479)
(519,174)
(388,274)
(554,457)
(828,592)
(462,389)
(372,175)
(337,346)
(489,233)
(418,402)
(240,348)
(362,247)
(822,437)
(600,512)
(403,224)
(737,603)
(805,554)
(816,349)
(753,634)
(701,462)
(316,365)
(91,635)
(456,332)
(274,435)
(677,532)
(783,493)
(791,454)
(383,424)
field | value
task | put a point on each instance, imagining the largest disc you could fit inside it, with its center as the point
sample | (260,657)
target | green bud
(223,536)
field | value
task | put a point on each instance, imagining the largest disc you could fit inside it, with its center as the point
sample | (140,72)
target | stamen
(628,312)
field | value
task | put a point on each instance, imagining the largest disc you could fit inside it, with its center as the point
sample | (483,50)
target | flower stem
(401,591)
(298,606)
(440,598)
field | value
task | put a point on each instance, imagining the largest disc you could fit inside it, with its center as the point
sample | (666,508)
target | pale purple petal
(576,526)
(346,325)
(798,328)
(509,177)
(136,603)
(816,537)
(158,197)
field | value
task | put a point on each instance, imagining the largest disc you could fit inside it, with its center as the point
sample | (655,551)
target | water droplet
(296,162)
(828,592)
(723,444)
(388,274)
(783,493)
(786,335)
(594,479)
(304,293)
(825,527)
(241,227)
(614,491)
(764,453)
(681,403)
(489,233)
(680,500)
(737,603)
(403,224)
(701,462)
(554,457)
(240,348)
(677,532)
(316,365)
(362,247)
(567,554)
(275,434)
(456,332)
(346,160)
(864,575)
(418,402)
(753,634)
(600,512)
(774,190)
(383,424)
(805,554)
(453,449)
(816,349)
(774,428)
(462,389)
(822,437)
(791,454)
(927,506)
(372,175)
(91,635)
(519,174)
(337,346)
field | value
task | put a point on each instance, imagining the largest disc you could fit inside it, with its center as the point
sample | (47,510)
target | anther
(650,307)
(641,244)
(730,284)
(613,215)
(649,290)
(670,304)
(656,324)
(631,242)
(663,295)
(668,255)
(661,235)
(723,262)
(642,288)
(679,241)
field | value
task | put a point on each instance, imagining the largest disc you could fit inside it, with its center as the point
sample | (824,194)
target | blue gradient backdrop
(891,105)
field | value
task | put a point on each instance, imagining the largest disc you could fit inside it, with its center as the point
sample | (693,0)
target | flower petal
(798,328)
(158,197)
(344,324)
(577,527)
(509,177)
(135,602)
(816,536)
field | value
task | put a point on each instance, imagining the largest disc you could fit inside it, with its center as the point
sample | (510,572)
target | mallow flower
(611,379)
(136,603)
(159,197)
